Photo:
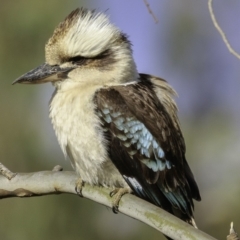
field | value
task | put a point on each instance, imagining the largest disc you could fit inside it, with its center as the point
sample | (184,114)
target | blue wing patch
(133,132)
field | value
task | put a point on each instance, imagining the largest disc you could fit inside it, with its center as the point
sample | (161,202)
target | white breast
(79,134)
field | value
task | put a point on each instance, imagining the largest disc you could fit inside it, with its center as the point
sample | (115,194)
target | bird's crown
(83,33)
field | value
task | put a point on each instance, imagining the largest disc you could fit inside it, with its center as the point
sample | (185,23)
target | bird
(118,127)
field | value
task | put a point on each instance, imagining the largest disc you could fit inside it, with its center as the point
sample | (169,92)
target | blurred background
(184,48)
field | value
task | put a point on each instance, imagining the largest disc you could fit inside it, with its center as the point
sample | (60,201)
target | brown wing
(146,146)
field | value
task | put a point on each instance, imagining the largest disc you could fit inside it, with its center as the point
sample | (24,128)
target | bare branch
(233,235)
(150,11)
(231,50)
(56,182)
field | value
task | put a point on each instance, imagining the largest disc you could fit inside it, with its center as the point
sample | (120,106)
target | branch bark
(56,182)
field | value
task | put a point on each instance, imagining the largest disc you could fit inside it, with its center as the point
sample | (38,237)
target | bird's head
(85,49)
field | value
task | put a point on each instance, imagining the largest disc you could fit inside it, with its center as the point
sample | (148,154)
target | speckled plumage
(118,127)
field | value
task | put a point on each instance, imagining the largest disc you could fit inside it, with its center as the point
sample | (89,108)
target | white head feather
(93,32)
(106,50)
(83,33)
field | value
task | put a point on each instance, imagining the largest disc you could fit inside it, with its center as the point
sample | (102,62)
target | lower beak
(44,73)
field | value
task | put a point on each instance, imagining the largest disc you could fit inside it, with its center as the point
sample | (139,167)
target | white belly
(80,136)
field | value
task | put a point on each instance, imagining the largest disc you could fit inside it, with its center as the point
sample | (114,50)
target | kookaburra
(118,127)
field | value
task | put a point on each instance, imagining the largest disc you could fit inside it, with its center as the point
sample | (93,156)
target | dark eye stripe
(81,58)
(76,59)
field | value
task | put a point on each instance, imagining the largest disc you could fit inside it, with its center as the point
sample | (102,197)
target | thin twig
(57,168)
(233,235)
(150,11)
(6,172)
(231,50)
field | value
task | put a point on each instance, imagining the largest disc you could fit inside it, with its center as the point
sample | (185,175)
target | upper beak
(44,73)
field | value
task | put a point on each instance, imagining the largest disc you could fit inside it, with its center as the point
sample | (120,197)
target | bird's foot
(116,195)
(79,186)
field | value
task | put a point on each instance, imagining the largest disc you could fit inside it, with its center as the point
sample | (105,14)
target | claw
(79,186)
(117,194)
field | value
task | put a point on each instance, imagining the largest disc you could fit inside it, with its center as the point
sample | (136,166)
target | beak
(44,73)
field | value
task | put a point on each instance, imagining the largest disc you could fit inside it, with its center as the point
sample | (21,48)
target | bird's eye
(76,59)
